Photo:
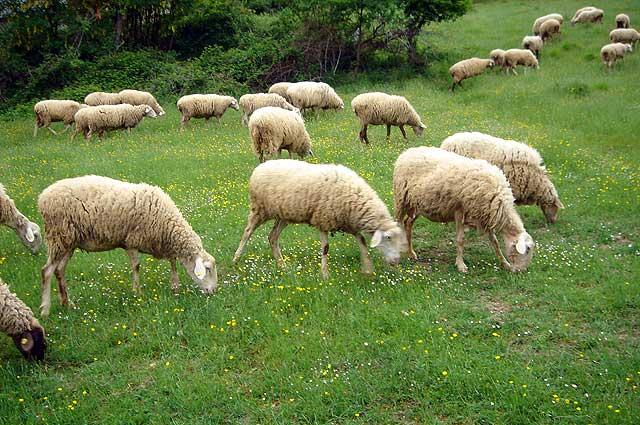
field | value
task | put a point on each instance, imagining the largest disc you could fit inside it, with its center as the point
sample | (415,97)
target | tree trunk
(117,29)
(412,49)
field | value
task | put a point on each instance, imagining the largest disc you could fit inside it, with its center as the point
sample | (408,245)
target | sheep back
(137,97)
(102,98)
(204,105)
(380,108)
(469,68)
(281,89)
(273,129)
(48,111)
(624,35)
(538,22)
(309,94)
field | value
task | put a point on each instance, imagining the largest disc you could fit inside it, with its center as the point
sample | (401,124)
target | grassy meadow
(418,343)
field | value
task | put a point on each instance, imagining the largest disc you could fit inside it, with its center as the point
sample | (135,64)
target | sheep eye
(387,237)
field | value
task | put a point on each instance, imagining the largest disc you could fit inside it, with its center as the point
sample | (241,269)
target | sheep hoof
(280,263)
(413,255)
(462,267)
(44,312)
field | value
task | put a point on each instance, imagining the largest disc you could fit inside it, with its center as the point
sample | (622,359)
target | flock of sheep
(545,28)
(473,179)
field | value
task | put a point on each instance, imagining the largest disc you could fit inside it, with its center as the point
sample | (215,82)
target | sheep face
(391,243)
(30,236)
(628,48)
(161,113)
(418,129)
(551,210)
(202,270)
(234,104)
(149,112)
(32,343)
(519,251)
(491,63)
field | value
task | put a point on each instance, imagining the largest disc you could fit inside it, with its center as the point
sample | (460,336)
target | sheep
(110,117)
(204,106)
(28,232)
(497,56)
(520,163)
(383,109)
(533,43)
(102,98)
(281,89)
(549,29)
(468,68)
(17,321)
(310,95)
(579,11)
(515,57)
(610,53)
(588,15)
(250,102)
(328,197)
(624,35)
(48,111)
(274,129)
(136,97)
(446,187)
(96,214)
(623,21)
(538,22)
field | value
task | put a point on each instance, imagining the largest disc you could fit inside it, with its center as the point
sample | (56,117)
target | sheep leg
(183,122)
(363,134)
(62,282)
(46,274)
(459,219)
(388,132)
(218,119)
(67,127)
(52,130)
(408,229)
(366,266)
(496,247)
(35,129)
(135,268)
(404,134)
(245,119)
(175,281)
(324,241)
(252,224)
(274,237)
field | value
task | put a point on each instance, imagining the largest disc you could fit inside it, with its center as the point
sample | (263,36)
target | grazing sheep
(382,109)
(274,129)
(328,197)
(102,98)
(98,119)
(17,321)
(515,57)
(468,68)
(588,15)
(205,106)
(520,163)
(28,232)
(623,21)
(250,102)
(549,29)
(624,35)
(311,95)
(533,43)
(446,187)
(48,111)
(610,53)
(96,214)
(137,97)
(579,11)
(497,56)
(281,89)
(538,22)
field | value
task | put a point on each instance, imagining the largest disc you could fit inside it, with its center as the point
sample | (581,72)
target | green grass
(420,343)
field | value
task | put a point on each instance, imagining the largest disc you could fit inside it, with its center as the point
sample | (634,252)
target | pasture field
(418,343)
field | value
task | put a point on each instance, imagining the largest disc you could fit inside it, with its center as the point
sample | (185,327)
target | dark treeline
(65,48)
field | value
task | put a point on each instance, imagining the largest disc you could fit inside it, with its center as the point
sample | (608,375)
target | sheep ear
(376,239)
(422,125)
(311,153)
(200,271)
(26,342)
(521,245)
(559,204)
(30,236)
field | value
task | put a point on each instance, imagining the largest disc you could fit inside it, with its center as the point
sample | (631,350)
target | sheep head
(234,104)
(519,250)
(31,343)
(551,210)
(149,112)
(30,235)
(202,269)
(391,243)
(418,129)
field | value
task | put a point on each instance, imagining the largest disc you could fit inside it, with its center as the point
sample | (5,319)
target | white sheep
(533,43)
(205,106)
(588,15)
(28,232)
(281,89)
(137,97)
(48,111)
(377,108)
(515,57)
(17,321)
(610,53)
(96,214)
(250,102)
(98,119)
(549,29)
(520,163)
(497,56)
(579,11)
(311,95)
(623,21)
(536,25)
(468,68)
(102,98)
(446,187)
(328,197)
(274,129)
(624,35)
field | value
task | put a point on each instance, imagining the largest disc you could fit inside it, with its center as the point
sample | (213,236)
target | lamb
(549,29)
(48,111)
(468,68)
(610,53)
(101,98)
(110,117)
(624,35)
(446,187)
(497,56)
(204,106)
(281,89)
(274,129)
(136,97)
(311,95)
(328,197)
(96,213)
(588,15)
(623,21)
(17,321)
(383,109)
(28,232)
(520,163)
(515,57)
(250,102)
(533,43)
(538,22)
